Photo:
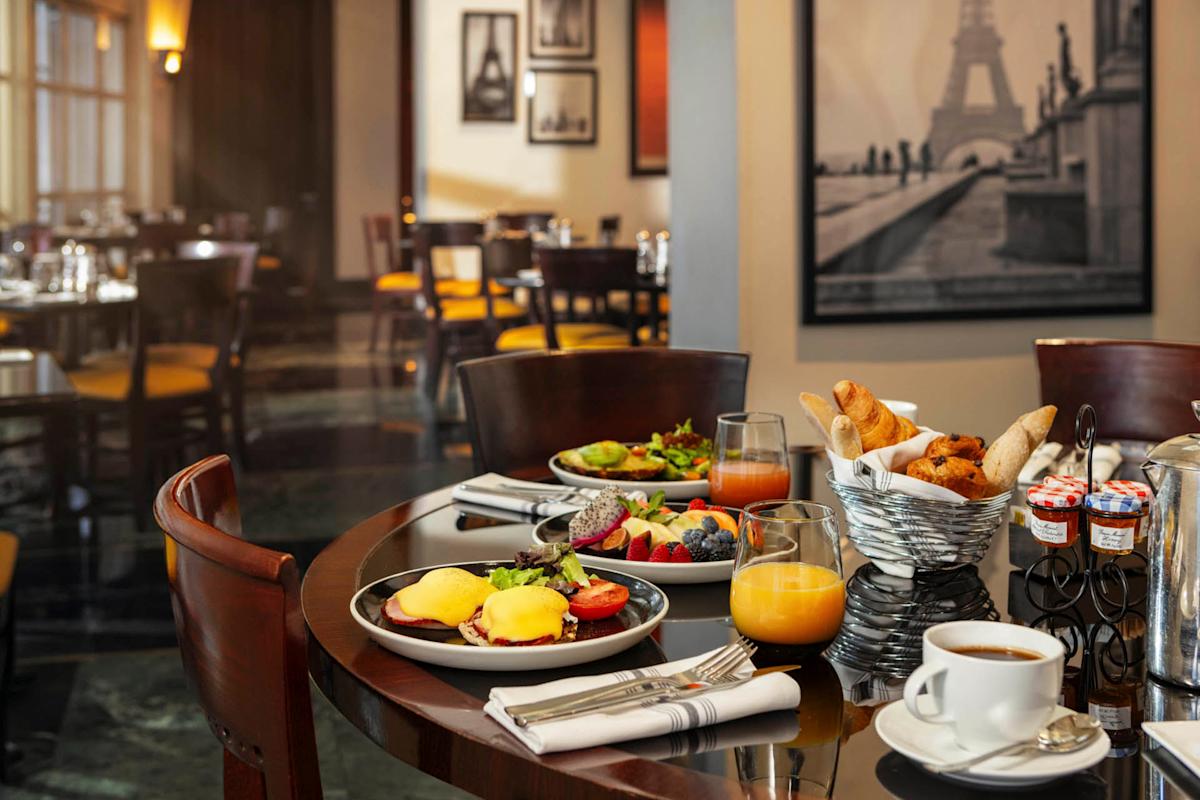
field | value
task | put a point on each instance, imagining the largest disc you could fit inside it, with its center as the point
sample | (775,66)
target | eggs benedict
(523,615)
(443,598)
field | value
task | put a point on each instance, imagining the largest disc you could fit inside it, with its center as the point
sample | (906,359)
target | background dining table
(71,311)
(432,718)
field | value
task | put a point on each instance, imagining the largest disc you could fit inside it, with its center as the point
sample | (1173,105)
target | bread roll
(819,414)
(876,423)
(957,445)
(956,474)
(1005,457)
(846,441)
(1037,425)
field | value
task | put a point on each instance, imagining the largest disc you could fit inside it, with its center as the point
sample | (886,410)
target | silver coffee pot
(1173,600)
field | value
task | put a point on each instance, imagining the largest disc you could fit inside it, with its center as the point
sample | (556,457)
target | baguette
(819,413)
(846,441)
(1037,424)
(1004,459)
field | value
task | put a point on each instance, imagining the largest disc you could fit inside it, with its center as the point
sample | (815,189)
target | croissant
(956,474)
(876,423)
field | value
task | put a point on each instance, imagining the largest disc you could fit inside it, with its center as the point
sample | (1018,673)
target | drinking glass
(750,459)
(787,592)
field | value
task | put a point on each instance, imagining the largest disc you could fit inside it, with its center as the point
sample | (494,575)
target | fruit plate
(554,529)
(595,640)
(672,490)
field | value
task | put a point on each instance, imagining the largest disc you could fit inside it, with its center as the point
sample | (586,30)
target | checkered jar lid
(1067,480)
(1135,488)
(1113,503)
(1054,496)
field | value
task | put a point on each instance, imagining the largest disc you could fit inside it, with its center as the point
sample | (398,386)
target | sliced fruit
(615,540)
(657,532)
(723,520)
(680,524)
(638,549)
(600,600)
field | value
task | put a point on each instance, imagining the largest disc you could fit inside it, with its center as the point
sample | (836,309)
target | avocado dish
(679,455)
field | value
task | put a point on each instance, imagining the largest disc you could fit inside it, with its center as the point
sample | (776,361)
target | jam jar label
(1049,532)
(1112,718)
(1112,539)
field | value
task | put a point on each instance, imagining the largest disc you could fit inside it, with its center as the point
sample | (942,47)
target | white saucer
(927,743)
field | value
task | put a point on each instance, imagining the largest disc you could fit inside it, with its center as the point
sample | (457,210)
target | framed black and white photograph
(562,108)
(562,28)
(975,158)
(489,67)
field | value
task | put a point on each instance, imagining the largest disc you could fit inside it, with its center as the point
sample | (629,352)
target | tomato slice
(601,600)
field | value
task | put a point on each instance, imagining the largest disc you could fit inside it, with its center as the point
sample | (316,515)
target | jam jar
(1055,513)
(1113,521)
(1142,492)
(1067,480)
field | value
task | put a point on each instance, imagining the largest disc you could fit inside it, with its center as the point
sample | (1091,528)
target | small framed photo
(562,108)
(489,67)
(562,28)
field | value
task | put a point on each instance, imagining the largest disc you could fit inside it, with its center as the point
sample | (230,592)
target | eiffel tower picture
(954,121)
(489,67)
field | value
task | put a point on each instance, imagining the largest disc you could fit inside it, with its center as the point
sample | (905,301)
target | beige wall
(467,169)
(365,122)
(966,376)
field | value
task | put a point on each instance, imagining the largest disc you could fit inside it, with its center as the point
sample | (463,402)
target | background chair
(241,635)
(1141,390)
(459,324)
(179,301)
(556,400)
(608,230)
(577,271)
(395,294)
(528,221)
(9,545)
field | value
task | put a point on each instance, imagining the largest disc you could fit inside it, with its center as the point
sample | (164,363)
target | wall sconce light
(166,31)
(103,35)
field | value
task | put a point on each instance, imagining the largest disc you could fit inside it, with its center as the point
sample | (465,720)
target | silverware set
(715,673)
(548,495)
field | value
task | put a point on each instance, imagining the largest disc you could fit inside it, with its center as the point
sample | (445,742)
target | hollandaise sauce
(523,614)
(448,595)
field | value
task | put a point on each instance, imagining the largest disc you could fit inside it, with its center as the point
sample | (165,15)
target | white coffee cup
(989,703)
(902,408)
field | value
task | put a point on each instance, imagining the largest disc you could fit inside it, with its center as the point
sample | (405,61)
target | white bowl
(647,603)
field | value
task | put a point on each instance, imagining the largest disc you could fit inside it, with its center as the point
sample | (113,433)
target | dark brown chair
(591,272)
(528,221)
(242,636)
(9,546)
(395,294)
(460,324)
(190,301)
(161,238)
(556,400)
(1141,390)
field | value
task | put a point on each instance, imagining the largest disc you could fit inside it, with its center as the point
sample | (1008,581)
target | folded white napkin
(515,501)
(770,692)
(883,469)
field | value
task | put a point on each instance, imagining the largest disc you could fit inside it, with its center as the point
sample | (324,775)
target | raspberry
(637,550)
(661,553)
(697,505)
(680,555)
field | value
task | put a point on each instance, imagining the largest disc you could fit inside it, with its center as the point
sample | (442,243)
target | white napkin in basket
(769,692)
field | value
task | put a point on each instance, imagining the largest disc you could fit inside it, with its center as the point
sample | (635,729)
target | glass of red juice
(750,459)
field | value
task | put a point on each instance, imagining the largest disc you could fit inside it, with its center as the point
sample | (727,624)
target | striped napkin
(770,692)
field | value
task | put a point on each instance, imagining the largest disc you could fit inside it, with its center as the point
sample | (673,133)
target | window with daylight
(80,110)
(7,168)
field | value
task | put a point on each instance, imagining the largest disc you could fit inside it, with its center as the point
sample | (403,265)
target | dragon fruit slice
(598,518)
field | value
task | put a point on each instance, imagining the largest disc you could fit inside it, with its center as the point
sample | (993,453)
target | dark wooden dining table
(69,311)
(432,717)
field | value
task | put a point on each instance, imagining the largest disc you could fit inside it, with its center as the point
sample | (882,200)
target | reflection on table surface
(828,746)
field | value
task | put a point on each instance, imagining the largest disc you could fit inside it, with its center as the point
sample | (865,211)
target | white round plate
(927,743)
(554,529)
(673,490)
(646,608)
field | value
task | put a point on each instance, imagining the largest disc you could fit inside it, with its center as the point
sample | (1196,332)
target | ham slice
(394,615)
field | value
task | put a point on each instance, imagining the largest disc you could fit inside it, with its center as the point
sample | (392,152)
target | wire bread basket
(919,533)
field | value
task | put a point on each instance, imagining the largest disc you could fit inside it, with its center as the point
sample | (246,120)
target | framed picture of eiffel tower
(968,159)
(562,28)
(489,67)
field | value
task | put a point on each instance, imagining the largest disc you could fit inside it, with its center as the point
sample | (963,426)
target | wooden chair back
(245,252)
(379,235)
(505,256)
(608,229)
(426,237)
(525,220)
(161,238)
(241,634)
(556,400)
(185,300)
(593,271)
(1141,390)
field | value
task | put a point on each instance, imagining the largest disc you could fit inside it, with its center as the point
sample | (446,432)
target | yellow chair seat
(106,382)
(9,545)
(5,325)
(467,309)
(269,262)
(571,336)
(464,288)
(448,287)
(179,354)
(398,282)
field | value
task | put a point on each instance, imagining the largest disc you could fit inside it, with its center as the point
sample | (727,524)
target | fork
(724,662)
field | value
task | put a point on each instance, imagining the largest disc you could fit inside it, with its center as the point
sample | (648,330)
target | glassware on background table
(645,252)
(46,272)
(750,459)
(787,592)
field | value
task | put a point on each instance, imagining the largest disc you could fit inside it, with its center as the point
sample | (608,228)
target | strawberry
(638,551)
(697,504)
(680,555)
(661,553)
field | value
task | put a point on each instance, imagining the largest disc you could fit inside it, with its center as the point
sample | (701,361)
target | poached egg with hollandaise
(523,615)
(443,598)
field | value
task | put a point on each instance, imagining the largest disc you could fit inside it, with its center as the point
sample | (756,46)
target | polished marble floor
(99,707)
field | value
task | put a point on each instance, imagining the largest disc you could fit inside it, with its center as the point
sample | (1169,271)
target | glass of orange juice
(750,459)
(787,592)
